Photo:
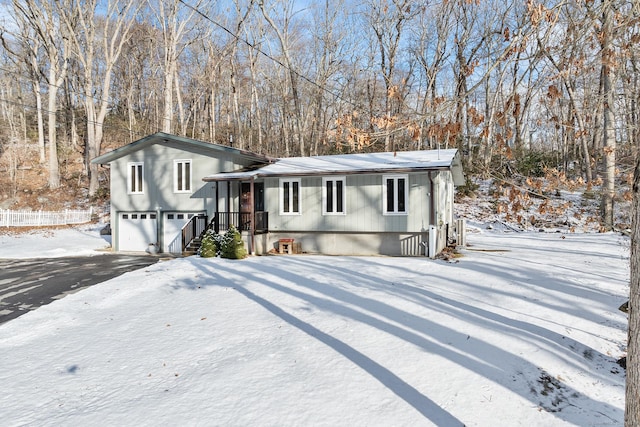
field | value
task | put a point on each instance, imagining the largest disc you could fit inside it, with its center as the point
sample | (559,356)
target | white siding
(159,195)
(364,195)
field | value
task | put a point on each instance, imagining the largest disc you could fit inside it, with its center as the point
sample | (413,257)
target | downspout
(159,229)
(432,201)
(433,230)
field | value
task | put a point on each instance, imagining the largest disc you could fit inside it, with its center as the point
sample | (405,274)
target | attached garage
(172,230)
(136,230)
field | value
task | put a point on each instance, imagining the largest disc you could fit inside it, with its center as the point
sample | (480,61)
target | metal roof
(399,161)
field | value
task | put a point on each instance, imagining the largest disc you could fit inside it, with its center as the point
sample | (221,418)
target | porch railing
(193,229)
(221,221)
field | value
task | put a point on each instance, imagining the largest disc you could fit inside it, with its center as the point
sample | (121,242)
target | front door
(245,202)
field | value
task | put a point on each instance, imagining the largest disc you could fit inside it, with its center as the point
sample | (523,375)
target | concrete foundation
(390,244)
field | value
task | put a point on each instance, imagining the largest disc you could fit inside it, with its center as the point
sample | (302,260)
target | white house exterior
(356,204)
(156,188)
(166,189)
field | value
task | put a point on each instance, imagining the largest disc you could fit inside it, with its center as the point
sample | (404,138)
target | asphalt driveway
(27,284)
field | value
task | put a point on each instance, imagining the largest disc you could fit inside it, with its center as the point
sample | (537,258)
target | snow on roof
(349,163)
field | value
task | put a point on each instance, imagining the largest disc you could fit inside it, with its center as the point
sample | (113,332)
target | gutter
(257,174)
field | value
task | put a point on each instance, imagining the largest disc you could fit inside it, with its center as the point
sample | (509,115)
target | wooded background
(518,87)
(523,89)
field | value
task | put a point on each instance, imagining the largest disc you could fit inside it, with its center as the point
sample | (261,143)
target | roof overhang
(352,164)
(165,138)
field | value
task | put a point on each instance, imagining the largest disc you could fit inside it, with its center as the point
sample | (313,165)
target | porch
(193,231)
(222,221)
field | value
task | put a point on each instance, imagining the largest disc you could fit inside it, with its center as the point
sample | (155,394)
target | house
(157,189)
(166,189)
(352,204)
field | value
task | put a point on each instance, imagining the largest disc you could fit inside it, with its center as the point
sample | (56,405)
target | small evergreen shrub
(232,246)
(227,245)
(209,247)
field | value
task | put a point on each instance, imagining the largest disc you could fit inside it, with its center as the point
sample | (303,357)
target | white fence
(23,218)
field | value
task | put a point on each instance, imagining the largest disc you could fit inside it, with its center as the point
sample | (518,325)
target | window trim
(385,194)
(179,164)
(290,195)
(137,186)
(334,198)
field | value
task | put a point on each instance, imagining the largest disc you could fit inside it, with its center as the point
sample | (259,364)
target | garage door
(137,230)
(172,224)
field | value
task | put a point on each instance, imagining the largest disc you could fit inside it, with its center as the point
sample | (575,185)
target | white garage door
(173,223)
(137,230)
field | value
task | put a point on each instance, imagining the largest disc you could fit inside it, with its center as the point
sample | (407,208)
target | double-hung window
(182,176)
(290,196)
(333,195)
(135,178)
(395,194)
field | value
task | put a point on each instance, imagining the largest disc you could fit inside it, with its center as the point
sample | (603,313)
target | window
(290,196)
(395,194)
(333,196)
(135,176)
(182,176)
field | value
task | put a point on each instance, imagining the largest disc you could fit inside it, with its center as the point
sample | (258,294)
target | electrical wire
(267,55)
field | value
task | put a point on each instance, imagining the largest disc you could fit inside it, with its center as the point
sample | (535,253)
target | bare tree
(608,98)
(283,34)
(175,22)
(388,19)
(98,43)
(430,47)
(23,47)
(632,396)
(632,409)
(44,17)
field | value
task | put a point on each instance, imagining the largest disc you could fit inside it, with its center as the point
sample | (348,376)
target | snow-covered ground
(53,243)
(523,329)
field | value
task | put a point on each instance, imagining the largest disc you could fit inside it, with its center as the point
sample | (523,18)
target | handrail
(193,229)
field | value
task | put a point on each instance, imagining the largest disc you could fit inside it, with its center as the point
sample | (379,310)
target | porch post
(216,215)
(228,204)
(252,223)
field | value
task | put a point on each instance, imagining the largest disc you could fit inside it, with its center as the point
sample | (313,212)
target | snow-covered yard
(523,330)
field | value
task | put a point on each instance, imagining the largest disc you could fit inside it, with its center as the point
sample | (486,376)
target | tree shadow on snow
(409,327)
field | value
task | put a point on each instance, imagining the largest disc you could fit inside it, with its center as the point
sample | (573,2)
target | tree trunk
(40,121)
(54,168)
(167,112)
(632,410)
(609,155)
(608,128)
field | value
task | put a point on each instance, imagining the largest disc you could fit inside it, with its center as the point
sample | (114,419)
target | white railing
(23,218)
